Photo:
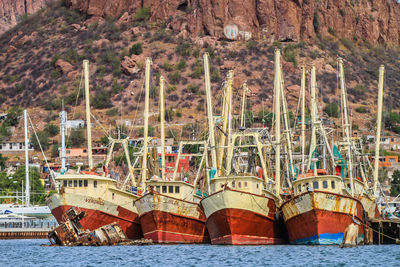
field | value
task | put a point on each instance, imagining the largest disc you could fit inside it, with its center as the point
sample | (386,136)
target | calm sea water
(30,253)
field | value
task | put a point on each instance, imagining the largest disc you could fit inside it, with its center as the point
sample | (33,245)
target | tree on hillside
(77,137)
(395,185)
(52,129)
(332,110)
(13,116)
(43,140)
(2,162)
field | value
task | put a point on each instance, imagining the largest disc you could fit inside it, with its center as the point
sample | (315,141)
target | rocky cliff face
(11,10)
(376,21)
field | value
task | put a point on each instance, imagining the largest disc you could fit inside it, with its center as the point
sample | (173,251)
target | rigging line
(76,101)
(98,122)
(41,149)
(137,107)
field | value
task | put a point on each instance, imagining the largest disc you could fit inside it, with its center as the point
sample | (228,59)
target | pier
(24,233)
(385,231)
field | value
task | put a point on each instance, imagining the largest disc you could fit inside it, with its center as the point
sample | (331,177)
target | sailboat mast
(162,122)
(146,120)
(303,117)
(27,186)
(88,123)
(245,88)
(346,125)
(277,92)
(211,133)
(378,128)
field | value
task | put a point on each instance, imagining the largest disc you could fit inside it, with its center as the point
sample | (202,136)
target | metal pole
(230,82)
(346,125)
(27,189)
(277,92)
(313,118)
(378,128)
(242,121)
(209,111)
(63,120)
(303,117)
(162,119)
(88,123)
(146,121)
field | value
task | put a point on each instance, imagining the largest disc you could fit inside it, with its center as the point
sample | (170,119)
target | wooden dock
(385,231)
(23,233)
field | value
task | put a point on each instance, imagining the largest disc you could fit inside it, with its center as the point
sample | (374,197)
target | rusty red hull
(166,227)
(320,227)
(127,220)
(243,227)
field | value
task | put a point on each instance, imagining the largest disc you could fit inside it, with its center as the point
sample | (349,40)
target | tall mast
(277,92)
(88,124)
(63,120)
(287,128)
(209,111)
(27,186)
(313,118)
(303,117)
(162,119)
(242,119)
(225,120)
(146,120)
(346,125)
(378,128)
(229,114)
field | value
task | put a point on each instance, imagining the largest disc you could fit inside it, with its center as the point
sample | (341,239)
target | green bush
(136,49)
(77,137)
(251,45)
(215,75)
(116,87)
(174,77)
(167,67)
(102,99)
(150,131)
(193,88)
(183,49)
(142,14)
(43,140)
(332,110)
(361,109)
(13,116)
(112,112)
(290,54)
(52,129)
(181,65)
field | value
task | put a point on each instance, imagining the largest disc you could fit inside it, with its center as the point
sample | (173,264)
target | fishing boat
(322,207)
(242,206)
(169,212)
(94,192)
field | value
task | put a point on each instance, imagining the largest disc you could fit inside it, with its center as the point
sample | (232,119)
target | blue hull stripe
(324,239)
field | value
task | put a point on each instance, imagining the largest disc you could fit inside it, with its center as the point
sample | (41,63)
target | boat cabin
(246,183)
(329,183)
(175,189)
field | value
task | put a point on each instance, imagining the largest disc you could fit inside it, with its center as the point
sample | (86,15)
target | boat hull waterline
(166,219)
(321,218)
(99,213)
(241,218)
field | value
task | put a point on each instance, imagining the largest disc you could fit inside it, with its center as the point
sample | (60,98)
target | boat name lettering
(298,199)
(330,197)
(98,201)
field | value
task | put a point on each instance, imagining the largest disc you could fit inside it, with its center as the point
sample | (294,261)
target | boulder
(129,66)
(124,19)
(64,66)
(101,43)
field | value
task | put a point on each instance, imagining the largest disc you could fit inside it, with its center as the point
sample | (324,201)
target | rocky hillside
(41,58)
(12,11)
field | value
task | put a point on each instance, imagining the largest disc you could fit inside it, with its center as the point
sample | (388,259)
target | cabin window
(325,184)
(69,183)
(240,184)
(75,183)
(299,187)
(112,196)
(315,185)
(65,183)
(333,184)
(233,184)
(85,183)
(158,188)
(164,189)
(95,184)
(257,186)
(80,183)
(170,189)
(177,189)
(245,184)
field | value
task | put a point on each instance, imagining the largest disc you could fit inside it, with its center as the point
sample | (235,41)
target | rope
(41,149)
(76,101)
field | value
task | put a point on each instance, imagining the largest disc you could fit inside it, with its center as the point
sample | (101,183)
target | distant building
(390,142)
(74,155)
(75,124)
(14,147)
